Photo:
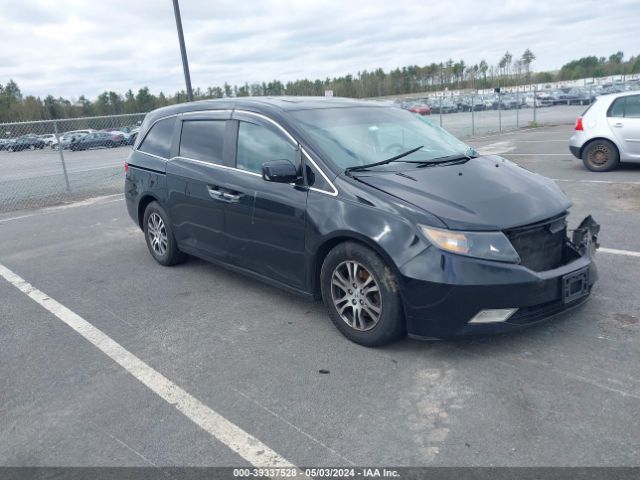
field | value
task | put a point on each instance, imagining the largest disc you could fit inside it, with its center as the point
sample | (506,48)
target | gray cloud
(74,47)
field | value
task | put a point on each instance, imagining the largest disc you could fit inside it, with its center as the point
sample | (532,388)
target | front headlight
(488,245)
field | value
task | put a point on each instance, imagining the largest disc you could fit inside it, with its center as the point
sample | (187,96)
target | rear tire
(361,294)
(159,236)
(600,156)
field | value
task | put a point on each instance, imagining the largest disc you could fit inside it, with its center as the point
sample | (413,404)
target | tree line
(508,71)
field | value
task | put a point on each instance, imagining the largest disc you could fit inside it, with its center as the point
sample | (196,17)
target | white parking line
(542,141)
(241,442)
(595,181)
(615,251)
(83,203)
(538,154)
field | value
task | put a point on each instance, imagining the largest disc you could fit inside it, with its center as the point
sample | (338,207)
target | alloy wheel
(157,234)
(356,295)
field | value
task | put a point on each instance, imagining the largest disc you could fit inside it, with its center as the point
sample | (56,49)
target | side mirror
(280,171)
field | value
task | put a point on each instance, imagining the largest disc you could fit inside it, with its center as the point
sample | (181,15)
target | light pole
(183,50)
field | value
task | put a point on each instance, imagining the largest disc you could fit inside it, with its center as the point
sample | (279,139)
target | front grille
(540,245)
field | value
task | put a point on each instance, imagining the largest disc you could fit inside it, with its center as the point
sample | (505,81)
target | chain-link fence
(49,162)
(473,113)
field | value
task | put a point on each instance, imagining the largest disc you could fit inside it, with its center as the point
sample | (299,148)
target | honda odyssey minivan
(398,226)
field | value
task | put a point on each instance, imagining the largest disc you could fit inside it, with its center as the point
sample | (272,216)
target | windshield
(356,136)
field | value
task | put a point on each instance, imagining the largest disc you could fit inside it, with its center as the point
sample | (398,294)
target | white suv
(608,132)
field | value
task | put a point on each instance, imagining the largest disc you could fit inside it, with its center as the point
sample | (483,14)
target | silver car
(608,132)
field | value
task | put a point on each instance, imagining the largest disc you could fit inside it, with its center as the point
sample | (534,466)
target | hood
(485,193)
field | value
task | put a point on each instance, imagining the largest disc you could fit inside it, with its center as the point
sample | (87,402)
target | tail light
(126,168)
(579,124)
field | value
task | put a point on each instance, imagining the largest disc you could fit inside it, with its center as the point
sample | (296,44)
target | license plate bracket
(575,285)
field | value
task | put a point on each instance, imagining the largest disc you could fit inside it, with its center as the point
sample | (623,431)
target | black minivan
(396,224)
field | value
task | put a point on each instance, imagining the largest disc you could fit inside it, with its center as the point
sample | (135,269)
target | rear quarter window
(158,140)
(617,108)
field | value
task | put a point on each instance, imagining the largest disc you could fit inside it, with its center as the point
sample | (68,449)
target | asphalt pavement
(565,393)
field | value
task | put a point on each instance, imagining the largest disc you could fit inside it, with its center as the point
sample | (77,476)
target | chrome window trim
(152,155)
(264,117)
(214,165)
(332,193)
(204,112)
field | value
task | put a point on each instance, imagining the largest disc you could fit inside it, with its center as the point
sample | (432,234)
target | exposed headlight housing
(487,245)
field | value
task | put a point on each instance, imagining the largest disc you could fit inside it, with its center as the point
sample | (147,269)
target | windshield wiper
(458,157)
(382,162)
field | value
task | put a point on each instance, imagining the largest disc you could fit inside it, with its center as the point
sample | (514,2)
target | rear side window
(203,140)
(158,140)
(617,108)
(632,107)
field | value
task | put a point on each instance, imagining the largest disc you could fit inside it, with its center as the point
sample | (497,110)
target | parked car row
(73,140)
(25,142)
(509,101)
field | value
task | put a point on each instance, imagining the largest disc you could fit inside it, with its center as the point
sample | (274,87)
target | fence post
(440,111)
(535,105)
(473,120)
(64,166)
(518,109)
(499,111)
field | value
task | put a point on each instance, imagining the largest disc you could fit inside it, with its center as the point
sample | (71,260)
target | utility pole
(183,51)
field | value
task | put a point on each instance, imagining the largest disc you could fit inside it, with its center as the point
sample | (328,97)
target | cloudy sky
(74,47)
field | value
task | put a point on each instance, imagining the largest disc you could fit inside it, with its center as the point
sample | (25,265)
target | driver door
(265,222)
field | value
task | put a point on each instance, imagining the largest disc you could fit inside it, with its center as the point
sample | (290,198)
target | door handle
(214,192)
(618,125)
(218,193)
(231,197)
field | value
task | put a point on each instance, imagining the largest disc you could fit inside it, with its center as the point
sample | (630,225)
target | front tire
(361,294)
(600,156)
(159,236)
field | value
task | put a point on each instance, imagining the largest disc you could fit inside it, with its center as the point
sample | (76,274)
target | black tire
(171,254)
(390,324)
(600,156)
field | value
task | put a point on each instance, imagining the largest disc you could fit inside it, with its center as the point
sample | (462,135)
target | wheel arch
(595,139)
(144,202)
(341,237)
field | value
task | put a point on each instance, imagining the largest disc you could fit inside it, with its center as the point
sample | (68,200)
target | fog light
(493,316)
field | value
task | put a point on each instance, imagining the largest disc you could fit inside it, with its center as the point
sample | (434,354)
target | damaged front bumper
(443,292)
